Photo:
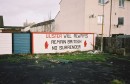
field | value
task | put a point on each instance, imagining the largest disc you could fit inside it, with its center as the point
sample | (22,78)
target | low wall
(61,42)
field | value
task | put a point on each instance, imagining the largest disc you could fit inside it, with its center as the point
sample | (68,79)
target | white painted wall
(5,43)
(57,42)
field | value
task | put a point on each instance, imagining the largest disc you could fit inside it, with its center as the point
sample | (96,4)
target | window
(100,17)
(121,21)
(121,3)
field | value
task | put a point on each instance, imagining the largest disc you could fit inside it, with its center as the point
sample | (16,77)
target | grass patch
(75,56)
(115,81)
(14,58)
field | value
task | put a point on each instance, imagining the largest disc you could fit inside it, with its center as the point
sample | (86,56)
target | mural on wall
(62,42)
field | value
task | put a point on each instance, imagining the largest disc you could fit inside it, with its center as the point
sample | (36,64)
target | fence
(117,45)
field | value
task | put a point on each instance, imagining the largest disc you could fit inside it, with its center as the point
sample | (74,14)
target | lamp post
(102,27)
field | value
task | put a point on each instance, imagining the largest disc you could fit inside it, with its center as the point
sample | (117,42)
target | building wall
(121,12)
(71,16)
(91,24)
(96,9)
(82,16)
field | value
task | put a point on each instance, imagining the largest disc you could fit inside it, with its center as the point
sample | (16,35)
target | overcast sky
(15,12)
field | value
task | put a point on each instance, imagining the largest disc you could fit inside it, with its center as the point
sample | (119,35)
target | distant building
(46,26)
(87,16)
(1,22)
(26,24)
(9,29)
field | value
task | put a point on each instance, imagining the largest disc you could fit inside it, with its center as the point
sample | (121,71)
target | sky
(16,12)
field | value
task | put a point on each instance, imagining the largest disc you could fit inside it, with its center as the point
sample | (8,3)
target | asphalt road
(33,72)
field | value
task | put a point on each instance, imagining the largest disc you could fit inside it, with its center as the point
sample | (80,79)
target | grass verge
(80,56)
(75,56)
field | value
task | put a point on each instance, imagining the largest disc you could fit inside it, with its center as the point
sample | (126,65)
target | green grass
(75,56)
(14,58)
(115,81)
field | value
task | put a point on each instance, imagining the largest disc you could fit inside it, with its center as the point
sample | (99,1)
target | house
(8,29)
(27,26)
(11,29)
(87,16)
(46,26)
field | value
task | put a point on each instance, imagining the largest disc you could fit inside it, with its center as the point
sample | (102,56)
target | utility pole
(110,18)
(102,27)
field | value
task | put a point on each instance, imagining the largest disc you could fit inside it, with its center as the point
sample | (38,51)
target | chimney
(1,22)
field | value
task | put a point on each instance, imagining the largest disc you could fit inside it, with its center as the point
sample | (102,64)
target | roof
(60,2)
(13,27)
(43,23)
(57,15)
